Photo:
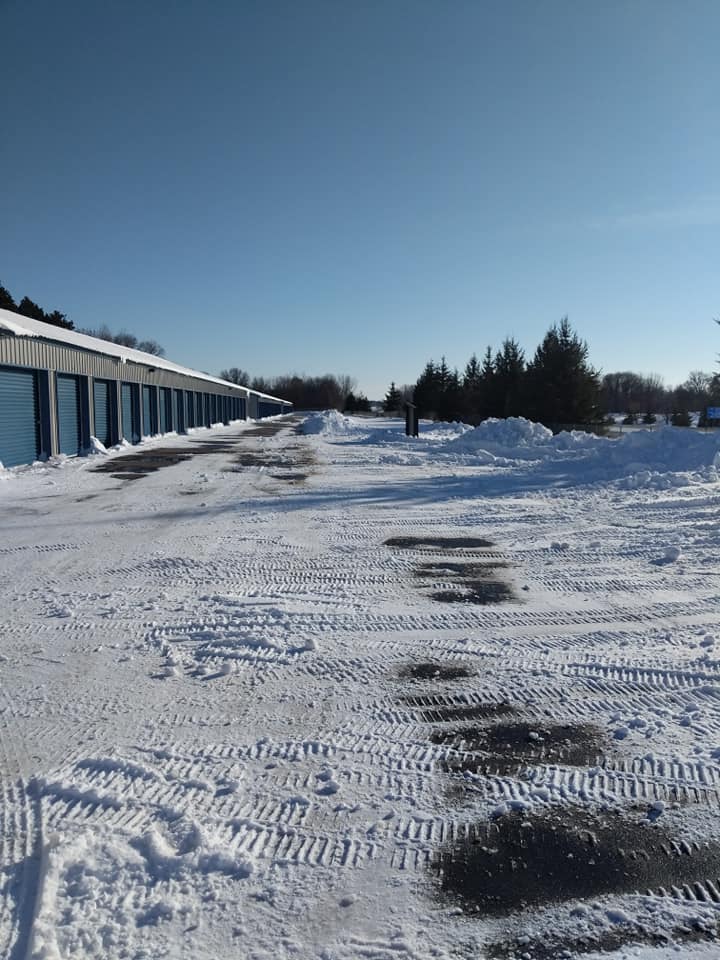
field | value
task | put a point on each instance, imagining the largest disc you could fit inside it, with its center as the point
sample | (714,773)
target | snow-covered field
(350,695)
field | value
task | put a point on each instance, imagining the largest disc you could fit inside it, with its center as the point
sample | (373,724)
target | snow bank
(668,448)
(510,434)
(643,458)
(96,446)
(330,422)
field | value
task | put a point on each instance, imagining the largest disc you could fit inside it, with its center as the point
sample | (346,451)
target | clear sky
(356,186)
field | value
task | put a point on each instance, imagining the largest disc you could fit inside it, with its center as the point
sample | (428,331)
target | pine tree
(393,400)
(426,392)
(509,373)
(472,390)
(450,406)
(487,402)
(562,388)
(6,301)
(28,308)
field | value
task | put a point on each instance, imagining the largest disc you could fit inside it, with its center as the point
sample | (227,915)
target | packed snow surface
(259,703)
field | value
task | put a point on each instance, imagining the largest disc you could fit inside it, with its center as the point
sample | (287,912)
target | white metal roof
(19,326)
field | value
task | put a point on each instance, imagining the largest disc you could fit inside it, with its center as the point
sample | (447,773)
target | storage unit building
(59,388)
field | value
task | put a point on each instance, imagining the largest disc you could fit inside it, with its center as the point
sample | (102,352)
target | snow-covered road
(342,694)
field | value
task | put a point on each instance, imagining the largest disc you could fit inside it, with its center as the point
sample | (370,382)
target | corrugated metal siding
(41,354)
(19,426)
(68,410)
(101,409)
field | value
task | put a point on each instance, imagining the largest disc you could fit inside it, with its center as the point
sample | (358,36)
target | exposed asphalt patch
(439,543)
(506,747)
(133,466)
(458,581)
(527,860)
(290,477)
(447,568)
(481,592)
(432,712)
(142,463)
(432,670)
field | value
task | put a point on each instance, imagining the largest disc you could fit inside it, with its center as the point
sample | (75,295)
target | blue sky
(356,186)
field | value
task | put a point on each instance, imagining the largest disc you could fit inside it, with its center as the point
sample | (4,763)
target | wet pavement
(451,580)
(528,859)
(508,747)
(432,670)
(140,462)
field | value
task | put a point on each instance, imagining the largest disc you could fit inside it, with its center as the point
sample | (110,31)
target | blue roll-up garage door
(129,422)
(148,426)
(189,409)
(19,434)
(68,408)
(179,397)
(163,419)
(101,407)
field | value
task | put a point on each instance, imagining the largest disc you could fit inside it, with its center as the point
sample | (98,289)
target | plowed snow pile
(346,694)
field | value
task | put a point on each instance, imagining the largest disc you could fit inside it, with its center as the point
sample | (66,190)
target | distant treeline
(327,392)
(28,308)
(558,387)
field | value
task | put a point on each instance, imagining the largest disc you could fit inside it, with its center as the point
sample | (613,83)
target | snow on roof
(20,326)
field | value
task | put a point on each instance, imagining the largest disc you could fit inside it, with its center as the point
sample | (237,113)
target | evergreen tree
(471,390)
(472,374)
(487,401)
(393,401)
(509,374)
(362,404)
(562,387)
(28,308)
(6,301)
(448,390)
(426,393)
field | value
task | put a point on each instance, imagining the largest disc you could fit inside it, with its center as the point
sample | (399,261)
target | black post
(411,420)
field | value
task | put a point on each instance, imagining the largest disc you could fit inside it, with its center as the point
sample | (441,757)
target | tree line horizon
(558,386)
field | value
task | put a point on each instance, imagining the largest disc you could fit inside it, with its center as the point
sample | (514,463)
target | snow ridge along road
(335,694)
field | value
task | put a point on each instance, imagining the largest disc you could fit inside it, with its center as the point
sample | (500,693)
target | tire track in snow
(20,836)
